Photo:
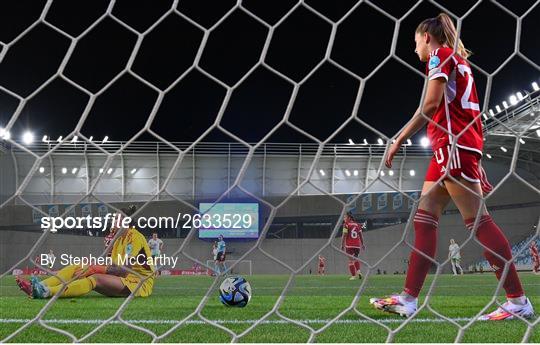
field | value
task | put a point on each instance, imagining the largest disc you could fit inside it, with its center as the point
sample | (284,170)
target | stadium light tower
(44,139)
(513,100)
(41,170)
(498,108)
(60,138)
(391,172)
(380,141)
(355,172)
(4,134)
(134,170)
(519,96)
(522,141)
(74,171)
(91,138)
(535,86)
(412,172)
(105,139)
(347,172)
(424,142)
(504,149)
(505,105)
(365,142)
(28,137)
(64,170)
(320,171)
(488,155)
(351,142)
(491,112)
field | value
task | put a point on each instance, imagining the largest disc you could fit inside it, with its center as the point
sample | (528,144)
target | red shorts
(352,251)
(463,164)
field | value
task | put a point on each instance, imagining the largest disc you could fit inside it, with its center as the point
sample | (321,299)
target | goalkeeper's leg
(105,284)
(65,274)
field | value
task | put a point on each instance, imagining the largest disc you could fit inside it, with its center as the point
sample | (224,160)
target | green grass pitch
(311,299)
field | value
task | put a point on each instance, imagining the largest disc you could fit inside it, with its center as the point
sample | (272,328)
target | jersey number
(465,103)
(354,234)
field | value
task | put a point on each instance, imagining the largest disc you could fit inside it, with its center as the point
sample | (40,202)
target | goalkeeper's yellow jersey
(133,245)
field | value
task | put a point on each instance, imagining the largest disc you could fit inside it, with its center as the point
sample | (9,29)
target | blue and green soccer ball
(235,292)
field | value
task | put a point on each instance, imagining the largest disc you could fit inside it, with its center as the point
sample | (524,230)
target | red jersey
(108,241)
(353,231)
(534,251)
(322,261)
(460,105)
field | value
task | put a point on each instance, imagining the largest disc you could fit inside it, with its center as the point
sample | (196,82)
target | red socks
(357,266)
(352,268)
(488,233)
(425,240)
(491,236)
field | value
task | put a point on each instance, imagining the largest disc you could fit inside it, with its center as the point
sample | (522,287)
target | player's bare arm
(434,95)
(344,238)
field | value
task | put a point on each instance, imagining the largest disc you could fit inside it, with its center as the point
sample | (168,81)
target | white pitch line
(341,287)
(200,322)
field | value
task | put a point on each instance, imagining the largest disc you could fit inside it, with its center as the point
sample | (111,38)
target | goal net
(242,267)
(309,177)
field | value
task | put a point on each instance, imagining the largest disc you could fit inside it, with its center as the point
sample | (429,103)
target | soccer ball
(235,292)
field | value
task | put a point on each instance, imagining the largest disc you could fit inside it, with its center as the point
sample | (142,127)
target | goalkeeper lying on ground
(113,280)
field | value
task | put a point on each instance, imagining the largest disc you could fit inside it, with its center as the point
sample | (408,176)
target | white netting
(117,317)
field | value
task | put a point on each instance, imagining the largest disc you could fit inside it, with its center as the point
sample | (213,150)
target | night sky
(324,101)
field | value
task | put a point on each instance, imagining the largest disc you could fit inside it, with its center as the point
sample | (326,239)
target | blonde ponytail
(442,28)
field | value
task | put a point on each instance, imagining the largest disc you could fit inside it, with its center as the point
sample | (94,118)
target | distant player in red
(108,241)
(351,242)
(535,257)
(451,103)
(322,265)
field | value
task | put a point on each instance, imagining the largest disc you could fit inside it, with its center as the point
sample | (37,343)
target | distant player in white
(155,244)
(221,251)
(455,257)
(51,258)
(214,255)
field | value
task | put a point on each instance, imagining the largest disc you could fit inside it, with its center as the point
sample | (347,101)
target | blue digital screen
(232,220)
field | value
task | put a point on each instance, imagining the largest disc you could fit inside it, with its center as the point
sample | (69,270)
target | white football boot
(395,304)
(524,310)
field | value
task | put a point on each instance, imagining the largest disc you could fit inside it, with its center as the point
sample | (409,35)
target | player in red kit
(535,257)
(351,242)
(108,241)
(322,265)
(451,104)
